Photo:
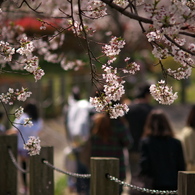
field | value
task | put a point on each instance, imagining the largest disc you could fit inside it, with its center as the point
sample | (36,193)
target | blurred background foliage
(53,90)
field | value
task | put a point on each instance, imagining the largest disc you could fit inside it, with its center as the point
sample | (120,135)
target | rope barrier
(150,191)
(15,162)
(85,176)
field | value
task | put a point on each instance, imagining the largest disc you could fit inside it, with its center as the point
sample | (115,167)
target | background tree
(102,29)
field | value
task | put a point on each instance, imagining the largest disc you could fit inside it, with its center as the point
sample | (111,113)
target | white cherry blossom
(162,93)
(33,145)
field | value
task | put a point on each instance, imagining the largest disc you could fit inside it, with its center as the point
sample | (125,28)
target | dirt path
(53,134)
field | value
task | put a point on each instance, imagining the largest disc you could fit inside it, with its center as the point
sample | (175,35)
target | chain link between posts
(86,176)
(149,191)
(15,162)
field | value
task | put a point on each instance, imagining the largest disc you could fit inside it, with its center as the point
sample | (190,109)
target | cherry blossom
(33,145)
(28,122)
(26,47)
(13,95)
(69,65)
(131,68)
(113,48)
(23,94)
(162,93)
(118,110)
(18,112)
(96,9)
(6,51)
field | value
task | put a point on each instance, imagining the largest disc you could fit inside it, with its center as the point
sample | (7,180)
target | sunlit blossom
(162,93)
(33,145)
(18,112)
(26,47)
(13,95)
(6,51)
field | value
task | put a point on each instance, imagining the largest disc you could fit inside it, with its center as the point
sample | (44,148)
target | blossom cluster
(113,49)
(18,112)
(6,50)
(170,31)
(180,73)
(122,3)
(102,104)
(28,122)
(71,65)
(26,47)
(96,9)
(112,92)
(13,95)
(33,145)
(32,66)
(131,68)
(77,28)
(113,89)
(25,60)
(165,33)
(162,93)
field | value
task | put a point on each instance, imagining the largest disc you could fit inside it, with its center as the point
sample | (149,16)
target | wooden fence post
(186,183)
(8,171)
(42,176)
(99,184)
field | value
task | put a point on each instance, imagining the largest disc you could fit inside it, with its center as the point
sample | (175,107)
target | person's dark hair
(1,114)
(142,90)
(191,118)
(102,126)
(76,93)
(157,124)
(31,109)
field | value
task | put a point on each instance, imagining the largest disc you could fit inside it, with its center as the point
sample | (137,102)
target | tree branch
(126,13)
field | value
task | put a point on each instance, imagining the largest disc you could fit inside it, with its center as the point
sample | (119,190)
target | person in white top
(188,140)
(77,125)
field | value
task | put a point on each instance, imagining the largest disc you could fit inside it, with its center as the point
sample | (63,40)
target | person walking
(136,117)
(31,112)
(161,154)
(77,125)
(188,140)
(108,139)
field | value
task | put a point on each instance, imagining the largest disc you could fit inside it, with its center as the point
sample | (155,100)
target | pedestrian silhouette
(188,140)
(161,153)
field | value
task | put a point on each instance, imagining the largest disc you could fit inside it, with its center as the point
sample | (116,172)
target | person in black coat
(136,117)
(161,154)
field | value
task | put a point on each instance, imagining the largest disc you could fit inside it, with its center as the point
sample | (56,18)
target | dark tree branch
(180,47)
(33,9)
(126,13)
(187,34)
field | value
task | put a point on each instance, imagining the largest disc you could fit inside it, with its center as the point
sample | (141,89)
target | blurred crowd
(143,140)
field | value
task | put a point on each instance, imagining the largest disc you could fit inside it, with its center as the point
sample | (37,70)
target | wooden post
(186,183)
(99,184)
(41,175)
(8,171)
